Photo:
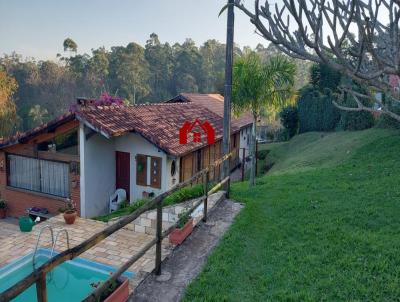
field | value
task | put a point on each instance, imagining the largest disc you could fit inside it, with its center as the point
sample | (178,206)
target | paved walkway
(236,175)
(187,260)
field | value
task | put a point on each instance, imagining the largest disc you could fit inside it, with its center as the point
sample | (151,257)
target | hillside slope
(324,225)
(319,150)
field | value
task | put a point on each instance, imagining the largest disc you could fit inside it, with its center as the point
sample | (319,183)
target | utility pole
(228,91)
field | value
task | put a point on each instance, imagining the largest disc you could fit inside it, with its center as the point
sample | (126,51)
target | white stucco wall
(136,144)
(244,140)
(99,174)
(98,170)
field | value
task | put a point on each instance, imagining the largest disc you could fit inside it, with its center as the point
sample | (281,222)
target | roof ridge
(157,103)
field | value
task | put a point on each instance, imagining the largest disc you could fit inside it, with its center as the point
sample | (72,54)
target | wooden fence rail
(39,275)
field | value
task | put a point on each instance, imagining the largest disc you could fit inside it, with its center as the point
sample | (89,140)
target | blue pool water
(68,282)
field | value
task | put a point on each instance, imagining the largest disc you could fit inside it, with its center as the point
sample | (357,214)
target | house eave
(89,125)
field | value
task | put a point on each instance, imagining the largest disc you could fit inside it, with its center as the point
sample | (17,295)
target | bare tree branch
(359,38)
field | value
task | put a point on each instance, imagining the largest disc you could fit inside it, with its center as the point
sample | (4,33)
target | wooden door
(123,175)
(155,172)
(186,167)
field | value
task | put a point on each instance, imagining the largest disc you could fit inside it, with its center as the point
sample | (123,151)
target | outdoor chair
(116,199)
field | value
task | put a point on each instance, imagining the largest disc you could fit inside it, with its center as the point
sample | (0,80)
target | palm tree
(257,85)
(38,115)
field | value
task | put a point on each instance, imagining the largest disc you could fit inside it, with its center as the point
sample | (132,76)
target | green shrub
(276,133)
(316,110)
(355,120)
(289,117)
(183,218)
(184,194)
(262,154)
(322,76)
(385,121)
(281,135)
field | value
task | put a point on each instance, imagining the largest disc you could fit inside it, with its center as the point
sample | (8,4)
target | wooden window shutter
(141,170)
(155,172)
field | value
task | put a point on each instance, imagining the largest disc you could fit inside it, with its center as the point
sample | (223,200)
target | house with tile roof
(215,103)
(89,152)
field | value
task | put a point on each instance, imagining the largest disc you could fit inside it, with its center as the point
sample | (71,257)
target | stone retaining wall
(147,222)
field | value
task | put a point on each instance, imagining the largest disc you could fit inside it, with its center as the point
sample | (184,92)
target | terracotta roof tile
(158,123)
(22,137)
(215,103)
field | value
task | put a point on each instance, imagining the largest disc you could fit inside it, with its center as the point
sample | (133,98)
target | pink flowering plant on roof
(107,100)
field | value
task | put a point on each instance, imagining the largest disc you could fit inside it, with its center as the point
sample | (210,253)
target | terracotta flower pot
(121,293)
(70,217)
(3,213)
(177,236)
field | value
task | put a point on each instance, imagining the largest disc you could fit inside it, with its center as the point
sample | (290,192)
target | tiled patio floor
(114,250)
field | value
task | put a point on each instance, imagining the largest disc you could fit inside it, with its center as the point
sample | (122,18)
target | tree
(8,112)
(160,59)
(356,37)
(187,67)
(38,115)
(302,67)
(151,74)
(56,88)
(96,73)
(289,117)
(213,64)
(257,85)
(132,72)
(70,45)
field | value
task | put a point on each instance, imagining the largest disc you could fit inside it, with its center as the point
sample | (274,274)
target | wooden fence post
(243,161)
(228,191)
(159,237)
(205,189)
(41,289)
(256,156)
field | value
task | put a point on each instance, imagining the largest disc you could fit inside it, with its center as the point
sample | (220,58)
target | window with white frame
(45,176)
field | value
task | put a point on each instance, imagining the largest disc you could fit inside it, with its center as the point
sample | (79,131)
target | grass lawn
(323,225)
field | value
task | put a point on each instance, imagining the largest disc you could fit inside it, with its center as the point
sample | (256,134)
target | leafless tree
(359,38)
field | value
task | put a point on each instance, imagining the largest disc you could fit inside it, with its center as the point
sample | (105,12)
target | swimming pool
(68,282)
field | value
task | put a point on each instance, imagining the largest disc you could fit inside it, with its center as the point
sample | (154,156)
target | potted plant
(183,228)
(118,291)
(3,208)
(70,212)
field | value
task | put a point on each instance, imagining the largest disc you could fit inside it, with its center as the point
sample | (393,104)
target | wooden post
(41,289)
(256,156)
(205,190)
(243,161)
(228,185)
(159,238)
(228,90)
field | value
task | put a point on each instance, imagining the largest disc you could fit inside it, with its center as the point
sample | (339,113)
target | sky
(37,28)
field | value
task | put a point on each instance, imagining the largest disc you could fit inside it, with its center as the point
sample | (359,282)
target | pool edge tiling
(78,260)
(77,276)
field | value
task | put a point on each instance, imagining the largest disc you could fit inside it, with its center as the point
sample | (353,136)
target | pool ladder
(53,241)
